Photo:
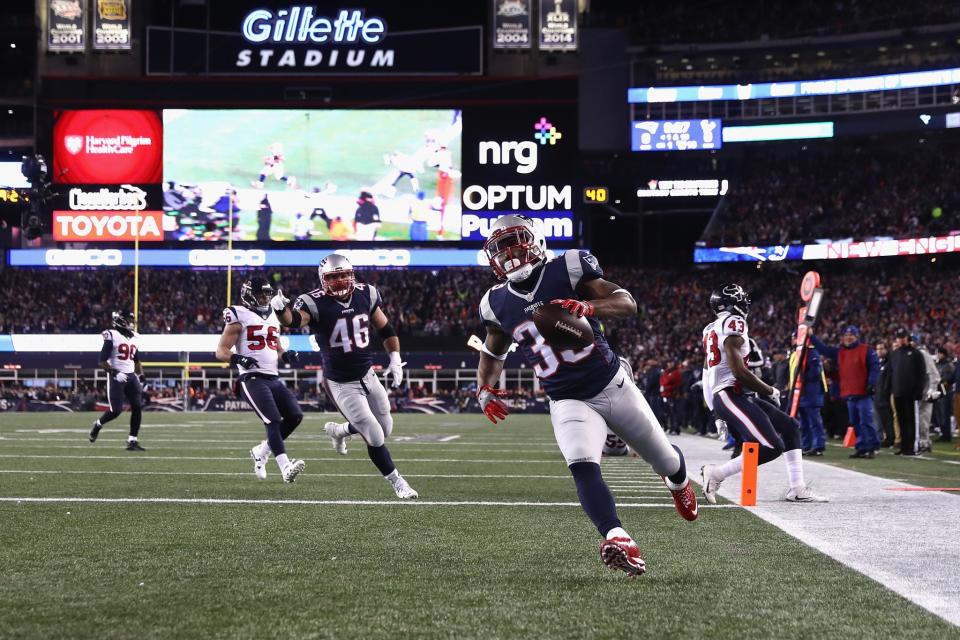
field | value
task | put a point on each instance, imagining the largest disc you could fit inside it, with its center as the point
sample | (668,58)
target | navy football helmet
(122,321)
(255,295)
(732,298)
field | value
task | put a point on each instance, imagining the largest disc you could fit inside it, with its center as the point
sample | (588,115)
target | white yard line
(388,503)
(358,458)
(904,540)
(305,475)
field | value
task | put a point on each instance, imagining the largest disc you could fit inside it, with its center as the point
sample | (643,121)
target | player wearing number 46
(589,389)
(251,341)
(726,378)
(121,360)
(340,314)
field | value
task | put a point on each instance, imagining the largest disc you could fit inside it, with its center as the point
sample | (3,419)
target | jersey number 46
(346,336)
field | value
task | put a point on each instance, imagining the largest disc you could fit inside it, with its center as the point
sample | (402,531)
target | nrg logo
(522,154)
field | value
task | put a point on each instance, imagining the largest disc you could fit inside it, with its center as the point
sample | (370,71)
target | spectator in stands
(943,407)
(882,400)
(858,369)
(908,373)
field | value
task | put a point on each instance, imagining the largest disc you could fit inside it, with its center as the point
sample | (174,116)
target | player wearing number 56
(120,358)
(340,314)
(251,341)
(588,386)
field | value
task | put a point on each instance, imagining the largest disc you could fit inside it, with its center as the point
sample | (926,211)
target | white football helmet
(515,248)
(336,276)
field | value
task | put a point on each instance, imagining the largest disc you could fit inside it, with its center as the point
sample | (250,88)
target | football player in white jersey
(251,341)
(120,359)
(726,381)
(273,165)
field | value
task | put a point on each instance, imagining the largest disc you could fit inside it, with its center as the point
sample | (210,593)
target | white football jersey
(717,374)
(124,350)
(259,338)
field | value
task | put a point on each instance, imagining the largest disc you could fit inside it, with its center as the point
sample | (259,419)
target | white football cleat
(803,494)
(259,464)
(292,470)
(403,489)
(710,485)
(339,434)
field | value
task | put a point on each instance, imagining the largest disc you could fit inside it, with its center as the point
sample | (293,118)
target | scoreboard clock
(596,195)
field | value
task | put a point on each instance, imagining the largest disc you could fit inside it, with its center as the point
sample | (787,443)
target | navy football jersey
(566,374)
(342,330)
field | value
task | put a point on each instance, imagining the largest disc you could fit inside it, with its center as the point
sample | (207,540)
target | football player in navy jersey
(589,389)
(120,358)
(340,314)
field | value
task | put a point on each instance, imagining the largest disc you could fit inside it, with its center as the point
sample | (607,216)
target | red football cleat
(623,554)
(685,500)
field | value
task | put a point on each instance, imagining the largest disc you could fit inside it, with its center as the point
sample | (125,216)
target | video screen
(305,175)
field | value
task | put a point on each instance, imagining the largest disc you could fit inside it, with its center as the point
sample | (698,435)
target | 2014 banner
(558,25)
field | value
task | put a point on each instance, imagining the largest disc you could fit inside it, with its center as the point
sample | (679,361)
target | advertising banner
(676,135)
(558,25)
(111,24)
(66,25)
(107,147)
(511,24)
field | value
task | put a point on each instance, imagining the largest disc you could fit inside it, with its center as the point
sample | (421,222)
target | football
(562,329)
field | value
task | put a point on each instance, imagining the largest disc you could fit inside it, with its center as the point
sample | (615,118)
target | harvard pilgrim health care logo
(74,144)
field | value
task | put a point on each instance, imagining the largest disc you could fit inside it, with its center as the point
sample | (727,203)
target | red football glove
(491,404)
(578,308)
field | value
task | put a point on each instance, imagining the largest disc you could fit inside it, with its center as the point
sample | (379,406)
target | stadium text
(553,228)
(524,154)
(299,25)
(314,58)
(129,198)
(518,196)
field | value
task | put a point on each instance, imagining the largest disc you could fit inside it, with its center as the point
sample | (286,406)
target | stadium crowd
(832,191)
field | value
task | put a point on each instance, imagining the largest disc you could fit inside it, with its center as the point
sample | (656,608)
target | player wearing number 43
(251,341)
(120,359)
(726,344)
(589,389)
(340,314)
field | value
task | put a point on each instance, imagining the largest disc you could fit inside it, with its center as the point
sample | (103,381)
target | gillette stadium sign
(302,39)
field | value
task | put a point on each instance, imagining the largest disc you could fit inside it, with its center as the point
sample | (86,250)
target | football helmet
(255,295)
(515,248)
(122,321)
(732,298)
(336,276)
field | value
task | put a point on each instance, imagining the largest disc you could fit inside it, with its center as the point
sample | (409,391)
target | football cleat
(292,470)
(685,500)
(623,554)
(403,489)
(710,485)
(339,434)
(133,445)
(95,431)
(803,494)
(259,464)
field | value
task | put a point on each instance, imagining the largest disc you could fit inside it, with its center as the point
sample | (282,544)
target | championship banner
(111,24)
(66,25)
(511,24)
(558,25)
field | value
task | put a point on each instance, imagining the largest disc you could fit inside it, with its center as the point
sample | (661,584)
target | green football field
(183,541)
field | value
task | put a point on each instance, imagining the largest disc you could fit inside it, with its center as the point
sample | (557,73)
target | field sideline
(183,541)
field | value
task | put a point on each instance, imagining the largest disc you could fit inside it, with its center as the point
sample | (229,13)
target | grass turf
(119,570)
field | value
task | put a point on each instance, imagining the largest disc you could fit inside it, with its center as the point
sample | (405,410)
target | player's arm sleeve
(307,304)
(107,349)
(582,266)
(487,315)
(734,326)
(230,316)
(823,348)
(375,299)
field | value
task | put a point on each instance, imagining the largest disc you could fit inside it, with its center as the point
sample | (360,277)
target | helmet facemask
(339,284)
(514,253)
(255,295)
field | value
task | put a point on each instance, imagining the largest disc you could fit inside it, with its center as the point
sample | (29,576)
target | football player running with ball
(726,383)
(340,314)
(251,341)
(589,389)
(120,358)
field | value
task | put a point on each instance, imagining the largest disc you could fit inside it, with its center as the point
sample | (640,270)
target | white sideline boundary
(906,541)
(387,503)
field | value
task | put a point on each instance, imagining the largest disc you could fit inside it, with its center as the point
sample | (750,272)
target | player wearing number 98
(340,314)
(251,340)
(589,389)
(726,378)
(120,358)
